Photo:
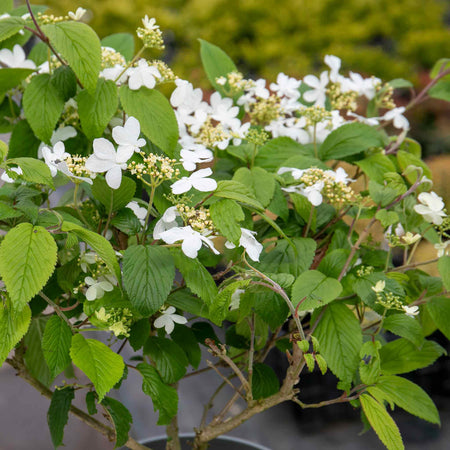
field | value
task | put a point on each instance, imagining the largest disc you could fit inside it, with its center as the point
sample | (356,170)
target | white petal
(181,186)
(204,184)
(94,164)
(91,293)
(114,177)
(178,319)
(191,246)
(104,149)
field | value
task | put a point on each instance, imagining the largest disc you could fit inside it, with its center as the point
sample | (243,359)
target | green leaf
(42,104)
(10,78)
(126,221)
(113,198)
(376,165)
(218,310)
(226,215)
(387,218)
(98,243)
(402,356)
(203,331)
(58,413)
(34,356)
(97,110)
(169,358)
(139,333)
(65,81)
(237,191)
(27,259)
(23,141)
(264,382)
(122,43)
(331,265)
(314,289)
(400,83)
(6,212)
(90,403)
(34,171)
(216,64)
(381,422)
(340,337)
(121,418)
(406,159)
(164,397)
(189,303)
(56,345)
(441,90)
(79,45)
(185,338)
(407,395)
(382,195)
(285,259)
(13,326)
(148,274)
(10,26)
(6,6)
(439,309)
(440,66)
(348,140)
(99,363)
(156,116)
(444,270)
(404,326)
(260,182)
(197,278)
(271,307)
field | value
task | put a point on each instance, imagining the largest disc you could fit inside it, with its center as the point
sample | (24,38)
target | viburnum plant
(265,216)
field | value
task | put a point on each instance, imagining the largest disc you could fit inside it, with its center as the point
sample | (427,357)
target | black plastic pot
(221,443)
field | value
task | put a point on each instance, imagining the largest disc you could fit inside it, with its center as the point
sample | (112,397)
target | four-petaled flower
(197,180)
(142,75)
(97,288)
(431,207)
(139,211)
(168,319)
(318,93)
(248,241)
(16,58)
(53,157)
(411,311)
(127,137)
(78,14)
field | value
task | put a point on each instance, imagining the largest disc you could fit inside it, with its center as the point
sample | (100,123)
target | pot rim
(235,439)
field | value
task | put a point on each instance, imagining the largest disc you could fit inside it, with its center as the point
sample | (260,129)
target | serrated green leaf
(121,418)
(188,302)
(321,363)
(169,358)
(113,198)
(407,395)
(127,222)
(80,46)
(156,116)
(439,309)
(23,141)
(56,345)
(237,191)
(9,26)
(42,104)
(58,413)
(218,310)
(441,90)
(226,215)
(260,182)
(7,212)
(314,289)
(139,333)
(331,265)
(400,83)
(185,338)
(13,326)
(10,78)
(376,165)
(406,159)
(90,403)
(148,274)
(387,218)
(340,337)
(65,82)
(121,42)
(100,364)
(97,110)
(310,361)
(34,171)
(444,270)
(404,326)
(6,6)
(264,382)
(381,422)
(271,307)
(27,259)
(164,397)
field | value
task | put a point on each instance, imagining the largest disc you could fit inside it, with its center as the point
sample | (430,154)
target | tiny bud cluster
(364,271)
(166,72)
(342,100)
(45,19)
(158,168)
(118,320)
(111,57)
(77,165)
(198,219)
(315,115)
(264,110)
(257,137)
(150,34)
(210,134)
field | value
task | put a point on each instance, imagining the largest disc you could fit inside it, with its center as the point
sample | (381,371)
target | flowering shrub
(250,221)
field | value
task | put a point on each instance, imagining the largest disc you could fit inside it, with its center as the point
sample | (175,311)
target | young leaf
(404,326)
(96,110)
(441,90)
(13,326)
(340,337)
(113,198)
(27,259)
(148,274)
(260,182)
(348,140)
(226,215)
(121,417)
(264,382)
(382,423)
(376,165)
(218,310)
(407,395)
(42,105)
(237,191)
(100,364)
(56,345)
(34,171)
(185,338)
(156,116)
(216,64)
(314,289)
(58,413)
(90,403)
(78,44)
(439,309)
(169,358)
(122,43)
(164,397)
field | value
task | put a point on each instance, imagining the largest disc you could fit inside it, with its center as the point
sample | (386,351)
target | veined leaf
(226,215)
(113,198)
(439,309)
(58,413)
(404,326)
(259,181)
(9,26)
(264,382)
(237,191)
(34,170)
(121,418)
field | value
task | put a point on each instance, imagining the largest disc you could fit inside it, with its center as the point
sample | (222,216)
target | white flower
(410,238)
(363,86)
(44,67)
(194,154)
(339,176)
(397,117)
(296,173)
(53,157)
(431,207)
(106,159)
(7,179)
(149,24)
(221,81)
(86,259)
(139,211)
(192,240)
(223,111)
(318,93)
(379,286)
(236,299)
(411,311)
(197,180)
(372,121)
(167,221)
(111,73)
(312,193)
(142,75)
(334,63)
(78,14)
(185,97)
(248,241)
(60,134)
(97,288)
(292,127)
(441,248)
(286,86)
(16,58)
(127,137)
(168,318)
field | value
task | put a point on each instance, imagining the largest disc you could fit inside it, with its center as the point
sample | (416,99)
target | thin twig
(57,310)
(225,379)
